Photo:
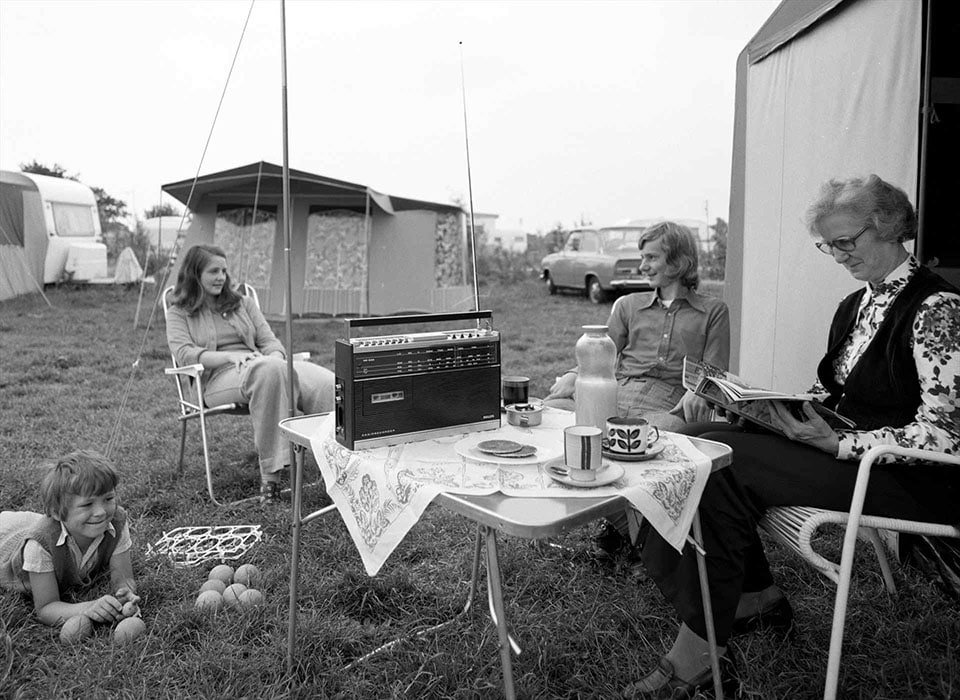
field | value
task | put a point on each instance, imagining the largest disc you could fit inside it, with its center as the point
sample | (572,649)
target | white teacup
(629,436)
(582,445)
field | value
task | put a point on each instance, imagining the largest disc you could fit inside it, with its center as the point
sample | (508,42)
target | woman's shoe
(662,683)
(269,492)
(777,618)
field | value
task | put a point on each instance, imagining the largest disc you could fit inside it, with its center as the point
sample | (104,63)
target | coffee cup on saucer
(629,437)
(581,451)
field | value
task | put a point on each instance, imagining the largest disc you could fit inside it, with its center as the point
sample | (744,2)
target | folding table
(530,518)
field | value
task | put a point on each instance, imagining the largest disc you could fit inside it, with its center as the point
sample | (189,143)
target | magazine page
(731,393)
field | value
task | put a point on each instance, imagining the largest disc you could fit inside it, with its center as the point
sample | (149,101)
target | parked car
(600,262)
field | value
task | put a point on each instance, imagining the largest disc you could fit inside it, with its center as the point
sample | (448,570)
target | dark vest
(68,573)
(883,388)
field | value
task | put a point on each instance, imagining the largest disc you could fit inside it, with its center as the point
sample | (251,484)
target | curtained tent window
(247,243)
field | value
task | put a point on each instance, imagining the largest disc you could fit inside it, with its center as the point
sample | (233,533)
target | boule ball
(251,598)
(209,600)
(222,572)
(231,596)
(77,628)
(128,629)
(129,609)
(248,575)
(213,584)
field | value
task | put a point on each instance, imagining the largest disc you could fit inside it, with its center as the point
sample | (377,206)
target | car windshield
(619,239)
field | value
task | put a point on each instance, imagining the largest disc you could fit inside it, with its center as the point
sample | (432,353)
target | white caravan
(75,248)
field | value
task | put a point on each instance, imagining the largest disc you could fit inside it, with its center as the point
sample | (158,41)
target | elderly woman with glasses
(892,365)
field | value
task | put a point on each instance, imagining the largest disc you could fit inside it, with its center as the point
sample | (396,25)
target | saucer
(607,475)
(651,452)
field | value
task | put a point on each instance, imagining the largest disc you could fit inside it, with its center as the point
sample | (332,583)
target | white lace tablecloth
(381,493)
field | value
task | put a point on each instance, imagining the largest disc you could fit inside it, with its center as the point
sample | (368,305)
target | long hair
(188,292)
(680,247)
(80,473)
(869,200)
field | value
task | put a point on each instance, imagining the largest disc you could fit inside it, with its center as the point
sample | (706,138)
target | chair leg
(183,444)
(880,549)
(206,459)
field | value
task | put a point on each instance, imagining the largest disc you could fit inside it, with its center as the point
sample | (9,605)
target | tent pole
(473,230)
(365,306)
(288,301)
(146,259)
(925,115)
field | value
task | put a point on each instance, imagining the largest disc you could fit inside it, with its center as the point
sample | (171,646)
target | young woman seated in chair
(210,323)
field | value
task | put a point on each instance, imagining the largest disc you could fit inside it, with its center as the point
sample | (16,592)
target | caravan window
(73,220)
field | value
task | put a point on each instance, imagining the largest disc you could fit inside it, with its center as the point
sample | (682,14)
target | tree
(38,168)
(161,210)
(715,262)
(554,238)
(110,209)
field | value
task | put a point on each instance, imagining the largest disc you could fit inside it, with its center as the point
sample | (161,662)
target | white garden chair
(795,527)
(857,520)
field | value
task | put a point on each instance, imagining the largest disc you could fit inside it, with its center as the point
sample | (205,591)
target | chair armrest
(866,464)
(187,370)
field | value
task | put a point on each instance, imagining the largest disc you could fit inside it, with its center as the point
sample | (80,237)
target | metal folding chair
(189,383)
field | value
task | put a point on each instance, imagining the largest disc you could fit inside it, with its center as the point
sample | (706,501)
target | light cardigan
(189,335)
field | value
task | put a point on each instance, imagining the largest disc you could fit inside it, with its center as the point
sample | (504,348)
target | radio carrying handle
(416,318)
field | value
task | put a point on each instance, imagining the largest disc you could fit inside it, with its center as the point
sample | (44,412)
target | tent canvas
(354,250)
(809,108)
(23,236)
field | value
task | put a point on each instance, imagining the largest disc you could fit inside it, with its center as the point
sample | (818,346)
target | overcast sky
(598,111)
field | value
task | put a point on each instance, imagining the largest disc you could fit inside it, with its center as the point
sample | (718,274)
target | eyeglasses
(845,244)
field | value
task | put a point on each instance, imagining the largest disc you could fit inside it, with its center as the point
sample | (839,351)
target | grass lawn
(80,375)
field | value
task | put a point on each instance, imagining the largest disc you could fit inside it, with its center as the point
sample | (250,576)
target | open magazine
(732,394)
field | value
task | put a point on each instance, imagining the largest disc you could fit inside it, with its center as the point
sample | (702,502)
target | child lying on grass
(83,534)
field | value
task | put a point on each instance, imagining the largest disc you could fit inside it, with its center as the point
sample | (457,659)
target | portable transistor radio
(414,386)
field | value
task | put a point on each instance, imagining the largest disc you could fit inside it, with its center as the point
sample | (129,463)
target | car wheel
(595,292)
(551,287)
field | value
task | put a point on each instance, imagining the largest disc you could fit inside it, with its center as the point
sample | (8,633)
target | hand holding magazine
(732,394)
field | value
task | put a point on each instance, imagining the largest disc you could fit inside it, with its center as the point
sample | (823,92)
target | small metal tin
(525,415)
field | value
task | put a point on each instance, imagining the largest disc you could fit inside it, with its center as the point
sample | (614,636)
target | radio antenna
(473,230)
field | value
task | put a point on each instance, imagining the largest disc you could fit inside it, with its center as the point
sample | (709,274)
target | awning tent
(826,89)
(23,236)
(354,250)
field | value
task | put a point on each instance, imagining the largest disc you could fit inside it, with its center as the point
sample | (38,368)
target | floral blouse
(936,352)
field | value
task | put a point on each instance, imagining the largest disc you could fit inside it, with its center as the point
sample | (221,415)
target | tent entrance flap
(336,261)
(23,236)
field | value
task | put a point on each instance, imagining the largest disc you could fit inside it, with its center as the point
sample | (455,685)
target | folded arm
(936,352)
